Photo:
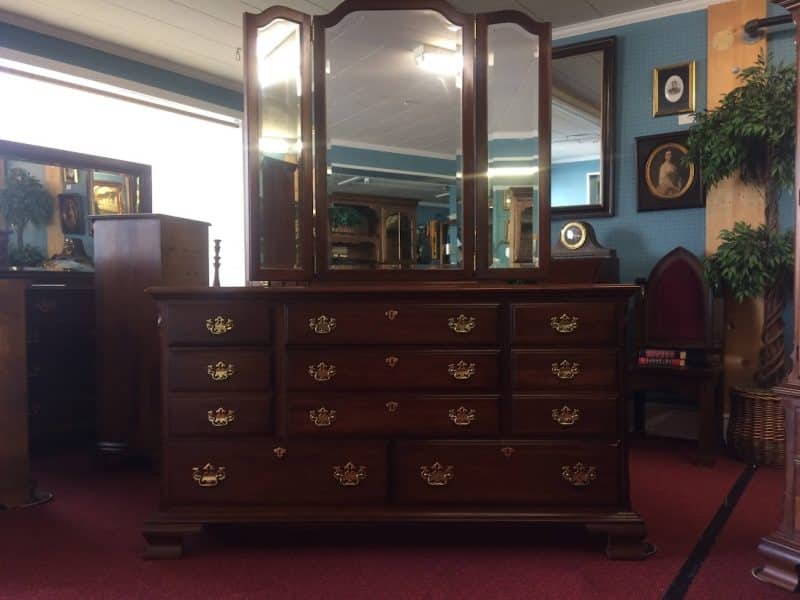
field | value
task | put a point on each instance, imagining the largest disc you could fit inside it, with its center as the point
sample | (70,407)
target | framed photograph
(673,89)
(70,175)
(70,210)
(665,181)
(107,198)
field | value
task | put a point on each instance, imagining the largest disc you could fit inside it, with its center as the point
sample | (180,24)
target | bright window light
(439,61)
(512,171)
(278,51)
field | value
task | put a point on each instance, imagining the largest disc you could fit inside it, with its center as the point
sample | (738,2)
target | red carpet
(86,545)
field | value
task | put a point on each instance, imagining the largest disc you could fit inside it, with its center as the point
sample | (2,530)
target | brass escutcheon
(219,325)
(565,323)
(391,314)
(391,361)
(322,417)
(208,475)
(349,475)
(222,417)
(579,475)
(566,416)
(507,451)
(462,416)
(437,475)
(461,324)
(461,370)
(565,369)
(322,324)
(392,406)
(322,371)
(279,452)
(221,371)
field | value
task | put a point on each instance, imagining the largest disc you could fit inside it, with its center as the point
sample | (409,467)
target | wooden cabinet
(133,252)
(458,419)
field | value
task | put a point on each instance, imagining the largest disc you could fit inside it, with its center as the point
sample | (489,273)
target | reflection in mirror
(279,144)
(394,161)
(581,145)
(513,149)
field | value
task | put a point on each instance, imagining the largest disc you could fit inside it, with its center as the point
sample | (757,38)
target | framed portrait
(107,198)
(673,89)
(70,175)
(70,210)
(665,179)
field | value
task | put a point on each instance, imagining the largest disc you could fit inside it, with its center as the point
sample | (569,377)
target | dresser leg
(782,559)
(166,540)
(625,540)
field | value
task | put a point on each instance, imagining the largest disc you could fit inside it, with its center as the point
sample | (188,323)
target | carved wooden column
(781,549)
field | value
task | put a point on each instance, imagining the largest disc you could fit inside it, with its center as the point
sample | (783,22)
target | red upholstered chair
(677,311)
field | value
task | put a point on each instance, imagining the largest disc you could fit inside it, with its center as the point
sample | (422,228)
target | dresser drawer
(567,369)
(395,323)
(395,368)
(565,415)
(565,324)
(328,415)
(246,472)
(511,472)
(219,415)
(211,323)
(218,370)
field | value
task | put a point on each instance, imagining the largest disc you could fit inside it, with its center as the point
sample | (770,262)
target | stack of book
(652,357)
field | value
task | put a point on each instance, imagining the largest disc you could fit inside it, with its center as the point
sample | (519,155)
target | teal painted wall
(568,182)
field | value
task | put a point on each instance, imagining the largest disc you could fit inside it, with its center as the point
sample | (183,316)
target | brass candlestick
(216,262)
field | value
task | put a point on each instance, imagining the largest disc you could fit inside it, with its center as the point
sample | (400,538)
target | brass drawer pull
(279,452)
(565,323)
(392,406)
(437,475)
(322,371)
(391,361)
(222,417)
(349,475)
(566,416)
(565,369)
(208,475)
(322,417)
(461,370)
(322,324)
(461,324)
(219,325)
(579,475)
(462,416)
(507,451)
(221,371)
(391,314)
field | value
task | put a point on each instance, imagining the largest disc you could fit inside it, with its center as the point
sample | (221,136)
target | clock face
(573,235)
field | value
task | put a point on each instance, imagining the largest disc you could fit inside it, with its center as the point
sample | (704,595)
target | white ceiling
(201,37)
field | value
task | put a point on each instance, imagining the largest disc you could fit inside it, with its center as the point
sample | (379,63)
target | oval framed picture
(666,179)
(674,89)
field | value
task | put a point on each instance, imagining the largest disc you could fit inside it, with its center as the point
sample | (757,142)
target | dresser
(357,404)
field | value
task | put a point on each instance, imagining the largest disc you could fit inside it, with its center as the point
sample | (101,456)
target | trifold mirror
(583,129)
(430,154)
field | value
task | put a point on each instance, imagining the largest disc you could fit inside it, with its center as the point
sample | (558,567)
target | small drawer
(395,323)
(247,472)
(507,472)
(567,415)
(565,324)
(219,415)
(392,369)
(567,369)
(224,323)
(218,370)
(330,415)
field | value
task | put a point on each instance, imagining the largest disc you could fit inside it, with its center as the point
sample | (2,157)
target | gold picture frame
(107,198)
(70,175)
(674,89)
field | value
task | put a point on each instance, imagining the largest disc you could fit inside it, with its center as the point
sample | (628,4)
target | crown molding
(635,16)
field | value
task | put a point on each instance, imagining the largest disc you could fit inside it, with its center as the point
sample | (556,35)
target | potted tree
(24,200)
(751,134)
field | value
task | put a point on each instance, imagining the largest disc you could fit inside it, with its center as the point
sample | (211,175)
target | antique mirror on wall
(78,187)
(583,129)
(513,129)
(393,111)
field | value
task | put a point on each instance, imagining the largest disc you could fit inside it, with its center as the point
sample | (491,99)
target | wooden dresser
(448,403)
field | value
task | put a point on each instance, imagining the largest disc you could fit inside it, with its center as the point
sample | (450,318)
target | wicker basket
(755,429)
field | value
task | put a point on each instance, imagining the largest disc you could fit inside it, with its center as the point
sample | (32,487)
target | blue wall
(568,182)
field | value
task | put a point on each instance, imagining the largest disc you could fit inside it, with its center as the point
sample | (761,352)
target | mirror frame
(322,22)
(483,256)
(608,47)
(252,112)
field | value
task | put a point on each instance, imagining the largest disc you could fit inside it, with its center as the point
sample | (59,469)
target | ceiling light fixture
(439,61)
(512,171)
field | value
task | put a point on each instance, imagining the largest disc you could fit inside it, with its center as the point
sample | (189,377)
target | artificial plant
(24,200)
(751,133)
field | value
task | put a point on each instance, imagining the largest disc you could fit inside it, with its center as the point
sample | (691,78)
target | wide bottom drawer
(511,472)
(248,472)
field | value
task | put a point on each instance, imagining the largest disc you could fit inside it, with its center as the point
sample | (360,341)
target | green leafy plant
(24,200)
(751,133)
(344,216)
(28,256)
